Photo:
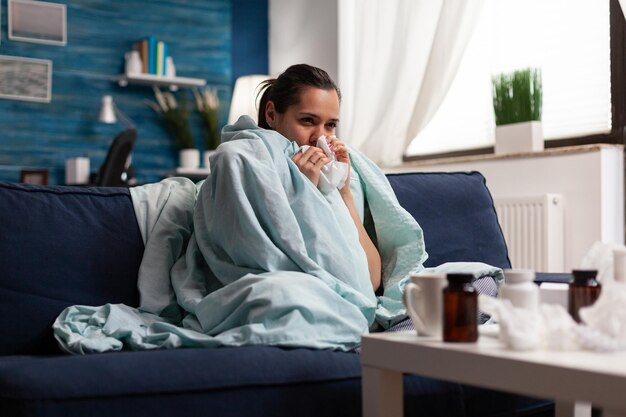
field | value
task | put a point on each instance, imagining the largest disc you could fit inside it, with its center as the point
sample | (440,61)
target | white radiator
(533,230)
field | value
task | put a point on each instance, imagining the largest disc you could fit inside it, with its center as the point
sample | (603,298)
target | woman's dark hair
(285,90)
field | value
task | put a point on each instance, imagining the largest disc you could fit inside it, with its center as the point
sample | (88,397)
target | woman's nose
(315,134)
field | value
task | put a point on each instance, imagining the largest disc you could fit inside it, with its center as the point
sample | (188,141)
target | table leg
(572,409)
(382,393)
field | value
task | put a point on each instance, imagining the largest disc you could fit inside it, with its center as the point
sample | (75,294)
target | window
(569,41)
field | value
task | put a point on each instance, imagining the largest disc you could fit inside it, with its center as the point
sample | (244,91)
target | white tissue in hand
(332,175)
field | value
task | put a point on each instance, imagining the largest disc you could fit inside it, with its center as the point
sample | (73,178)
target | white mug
(423,298)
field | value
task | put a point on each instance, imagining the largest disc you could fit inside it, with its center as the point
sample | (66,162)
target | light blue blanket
(255,254)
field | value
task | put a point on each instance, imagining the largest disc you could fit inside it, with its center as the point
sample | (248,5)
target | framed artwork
(26,79)
(37,21)
(34,176)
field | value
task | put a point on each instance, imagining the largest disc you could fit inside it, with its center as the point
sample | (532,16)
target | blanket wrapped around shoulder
(255,254)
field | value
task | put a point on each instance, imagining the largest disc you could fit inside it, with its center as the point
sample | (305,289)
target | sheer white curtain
(575,66)
(397,59)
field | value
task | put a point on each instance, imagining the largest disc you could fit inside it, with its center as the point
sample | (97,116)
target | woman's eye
(307,120)
(331,125)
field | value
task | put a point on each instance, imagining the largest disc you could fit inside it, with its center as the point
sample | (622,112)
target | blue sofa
(61,246)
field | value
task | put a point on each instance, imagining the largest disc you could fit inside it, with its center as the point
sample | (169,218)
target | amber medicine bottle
(583,291)
(460,309)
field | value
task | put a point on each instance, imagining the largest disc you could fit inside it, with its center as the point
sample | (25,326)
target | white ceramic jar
(133,65)
(520,289)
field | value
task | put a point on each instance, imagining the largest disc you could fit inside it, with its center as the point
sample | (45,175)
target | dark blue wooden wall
(250,34)
(99,32)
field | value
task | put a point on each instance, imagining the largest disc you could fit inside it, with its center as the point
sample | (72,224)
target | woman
(257,255)
(302,104)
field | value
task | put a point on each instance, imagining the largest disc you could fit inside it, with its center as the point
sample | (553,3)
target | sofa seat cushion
(61,246)
(460,224)
(252,381)
(178,370)
(255,381)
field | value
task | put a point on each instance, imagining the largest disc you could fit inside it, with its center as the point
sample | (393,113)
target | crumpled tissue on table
(601,257)
(550,327)
(334,174)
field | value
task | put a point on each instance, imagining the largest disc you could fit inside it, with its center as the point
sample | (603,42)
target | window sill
(493,157)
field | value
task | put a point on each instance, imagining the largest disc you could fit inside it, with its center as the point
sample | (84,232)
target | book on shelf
(161,57)
(141,46)
(153,54)
(164,60)
(144,55)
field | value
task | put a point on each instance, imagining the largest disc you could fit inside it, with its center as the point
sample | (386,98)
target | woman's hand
(342,155)
(310,163)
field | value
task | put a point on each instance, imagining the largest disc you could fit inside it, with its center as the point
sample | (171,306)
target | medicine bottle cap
(583,275)
(459,278)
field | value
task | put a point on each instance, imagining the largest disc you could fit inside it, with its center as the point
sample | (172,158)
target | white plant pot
(519,138)
(189,158)
(206,155)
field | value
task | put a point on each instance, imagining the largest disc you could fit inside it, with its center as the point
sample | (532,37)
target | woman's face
(316,114)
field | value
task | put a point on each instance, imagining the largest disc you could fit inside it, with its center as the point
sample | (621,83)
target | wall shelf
(172,82)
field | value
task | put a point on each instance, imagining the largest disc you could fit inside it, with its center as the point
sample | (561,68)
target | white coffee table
(574,380)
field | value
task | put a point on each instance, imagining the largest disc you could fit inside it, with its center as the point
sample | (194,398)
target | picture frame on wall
(34,176)
(37,21)
(27,79)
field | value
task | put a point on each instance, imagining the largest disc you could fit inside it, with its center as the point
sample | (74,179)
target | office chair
(116,169)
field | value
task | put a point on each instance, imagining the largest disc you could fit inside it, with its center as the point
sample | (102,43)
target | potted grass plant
(517,106)
(175,117)
(208,107)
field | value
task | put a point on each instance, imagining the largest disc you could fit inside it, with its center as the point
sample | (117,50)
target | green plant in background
(208,106)
(517,96)
(174,116)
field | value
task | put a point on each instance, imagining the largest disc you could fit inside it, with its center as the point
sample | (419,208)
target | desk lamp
(109,113)
(116,169)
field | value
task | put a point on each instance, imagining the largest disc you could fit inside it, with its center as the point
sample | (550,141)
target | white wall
(303,31)
(591,179)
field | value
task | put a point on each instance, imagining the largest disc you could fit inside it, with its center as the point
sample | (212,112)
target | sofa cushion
(254,381)
(459,219)
(61,246)
(231,381)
